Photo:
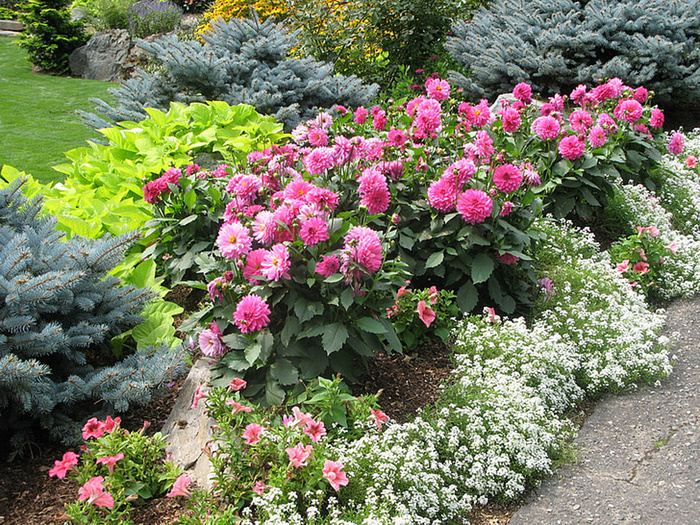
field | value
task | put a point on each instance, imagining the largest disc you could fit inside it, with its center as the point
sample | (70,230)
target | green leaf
(291,328)
(347,298)
(252,352)
(371,325)
(467,297)
(284,371)
(274,393)
(334,337)
(482,267)
(435,259)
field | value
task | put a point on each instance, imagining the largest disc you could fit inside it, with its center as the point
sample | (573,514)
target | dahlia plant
(317,232)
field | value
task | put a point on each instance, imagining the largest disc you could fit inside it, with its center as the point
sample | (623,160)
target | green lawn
(37,114)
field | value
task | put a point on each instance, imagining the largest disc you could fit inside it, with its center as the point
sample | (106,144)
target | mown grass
(37,114)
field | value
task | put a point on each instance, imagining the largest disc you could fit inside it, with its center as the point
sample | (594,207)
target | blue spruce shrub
(243,61)
(557,45)
(58,311)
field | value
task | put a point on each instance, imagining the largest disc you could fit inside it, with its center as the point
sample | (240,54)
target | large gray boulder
(102,57)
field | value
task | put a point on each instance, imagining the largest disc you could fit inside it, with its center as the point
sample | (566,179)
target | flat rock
(189,430)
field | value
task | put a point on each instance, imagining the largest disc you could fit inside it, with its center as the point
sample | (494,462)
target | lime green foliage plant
(116,470)
(50,35)
(103,189)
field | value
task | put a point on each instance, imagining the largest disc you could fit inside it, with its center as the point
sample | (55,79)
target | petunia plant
(115,469)
(259,449)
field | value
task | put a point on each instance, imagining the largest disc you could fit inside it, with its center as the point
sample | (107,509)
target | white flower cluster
(500,421)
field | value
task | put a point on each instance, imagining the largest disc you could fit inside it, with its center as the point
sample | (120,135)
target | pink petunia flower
(252,433)
(93,429)
(110,461)
(691,161)
(237,407)
(299,454)
(198,395)
(315,430)
(572,147)
(93,492)
(624,266)
(233,240)
(276,263)
(65,465)
(180,487)
(425,313)
(378,417)
(252,314)
(641,267)
(111,424)
(507,178)
(259,488)
(333,472)
(474,206)
(237,384)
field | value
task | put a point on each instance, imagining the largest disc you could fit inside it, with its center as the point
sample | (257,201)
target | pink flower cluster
(96,429)
(154,189)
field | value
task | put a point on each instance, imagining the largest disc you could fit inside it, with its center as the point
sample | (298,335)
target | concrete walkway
(639,453)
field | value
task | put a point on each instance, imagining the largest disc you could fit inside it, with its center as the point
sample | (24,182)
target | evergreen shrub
(240,62)
(59,311)
(557,45)
(50,36)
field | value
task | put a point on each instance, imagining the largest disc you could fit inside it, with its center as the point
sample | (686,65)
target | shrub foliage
(557,45)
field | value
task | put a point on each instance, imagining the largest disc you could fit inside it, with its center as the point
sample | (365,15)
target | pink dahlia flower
(511,120)
(597,136)
(437,88)
(252,314)
(475,206)
(276,263)
(546,127)
(580,120)
(313,231)
(233,240)
(210,343)
(676,145)
(657,118)
(628,110)
(523,92)
(442,194)
(507,178)
(571,147)
(362,252)
(328,265)
(320,160)
(253,265)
